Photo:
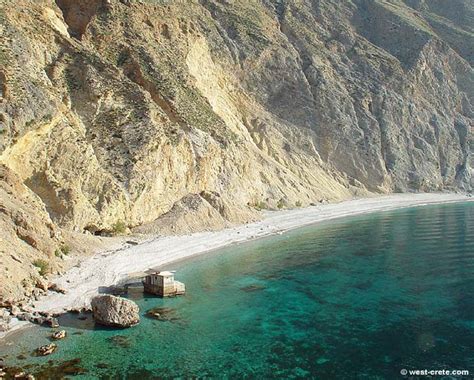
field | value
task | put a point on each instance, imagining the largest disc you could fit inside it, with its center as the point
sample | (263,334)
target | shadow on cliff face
(3,85)
(78,14)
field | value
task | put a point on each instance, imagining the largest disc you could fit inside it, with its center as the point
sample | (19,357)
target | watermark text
(434,372)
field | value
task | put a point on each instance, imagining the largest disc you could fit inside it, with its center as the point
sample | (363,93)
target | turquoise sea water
(358,298)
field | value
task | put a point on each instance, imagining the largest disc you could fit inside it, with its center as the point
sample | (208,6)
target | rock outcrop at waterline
(114,311)
(115,114)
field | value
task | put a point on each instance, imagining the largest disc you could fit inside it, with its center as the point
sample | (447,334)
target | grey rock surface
(115,311)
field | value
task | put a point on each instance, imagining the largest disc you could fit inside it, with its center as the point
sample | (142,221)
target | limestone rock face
(27,234)
(180,116)
(114,311)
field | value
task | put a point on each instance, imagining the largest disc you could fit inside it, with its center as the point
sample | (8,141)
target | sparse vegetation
(260,205)
(122,58)
(42,265)
(281,204)
(29,123)
(63,250)
(298,204)
(47,118)
(119,227)
(72,81)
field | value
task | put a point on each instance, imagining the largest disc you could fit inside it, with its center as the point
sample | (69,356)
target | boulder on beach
(5,319)
(56,288)
(115,311)
(51,322)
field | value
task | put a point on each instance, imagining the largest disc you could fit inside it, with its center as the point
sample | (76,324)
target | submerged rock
(115,311)
(59,335)
(47,349)
(52,369)
(253,288)
(120,341)
(20,375)
(30,377)
(162,314)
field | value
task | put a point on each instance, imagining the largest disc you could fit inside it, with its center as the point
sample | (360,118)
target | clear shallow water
(356,298)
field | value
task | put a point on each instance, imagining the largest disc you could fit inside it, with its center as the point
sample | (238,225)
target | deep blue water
(358,298)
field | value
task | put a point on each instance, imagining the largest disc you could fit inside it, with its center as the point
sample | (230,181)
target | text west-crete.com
(434,372)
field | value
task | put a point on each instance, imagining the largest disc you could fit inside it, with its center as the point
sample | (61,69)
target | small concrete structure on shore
(163,284)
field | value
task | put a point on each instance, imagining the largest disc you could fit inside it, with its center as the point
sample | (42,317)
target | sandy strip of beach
(83,281)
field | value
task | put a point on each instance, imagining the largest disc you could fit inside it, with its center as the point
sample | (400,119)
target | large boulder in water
(115,311)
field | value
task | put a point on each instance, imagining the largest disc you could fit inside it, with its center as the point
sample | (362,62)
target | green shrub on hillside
(119,227)
(42,265)
(260,205)
(65,249)
(62,250)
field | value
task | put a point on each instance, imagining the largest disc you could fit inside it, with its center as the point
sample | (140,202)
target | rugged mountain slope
(121,112)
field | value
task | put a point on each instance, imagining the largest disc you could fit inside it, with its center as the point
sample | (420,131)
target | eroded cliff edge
(167,113)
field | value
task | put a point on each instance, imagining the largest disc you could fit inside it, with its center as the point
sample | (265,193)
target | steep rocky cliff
(158,114)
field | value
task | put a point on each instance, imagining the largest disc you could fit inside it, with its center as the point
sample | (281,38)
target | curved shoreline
(106,269)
